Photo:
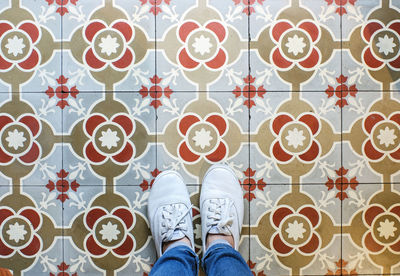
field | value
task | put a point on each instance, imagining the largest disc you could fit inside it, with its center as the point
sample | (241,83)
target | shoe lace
(220,216)
(174,219)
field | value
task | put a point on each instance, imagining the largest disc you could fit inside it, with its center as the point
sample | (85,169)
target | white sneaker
(221,204)
(169,210)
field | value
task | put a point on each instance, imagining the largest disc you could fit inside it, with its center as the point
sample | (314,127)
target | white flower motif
(15,139)
(15,45)
(16,232)
(386,229)
(202,45)
(385,45)
(295,45)
(386,136)
(295,138)
(202,138)
(295,230)
(109,45)
(109,231)
(109,138)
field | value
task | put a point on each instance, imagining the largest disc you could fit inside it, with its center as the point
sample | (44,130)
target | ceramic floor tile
(370,229)
(365,42)
(86,247)
(109,138)
(31,229)
(198,130)
(206,44)
(298,138)
(111,44)
(294,229)
(31,139)
(371,132)
(294,47)
(30,41)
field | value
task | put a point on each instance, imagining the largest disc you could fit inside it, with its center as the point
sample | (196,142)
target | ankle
(213,237)
(166,245)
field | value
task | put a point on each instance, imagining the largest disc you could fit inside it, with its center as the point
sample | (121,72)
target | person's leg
(222,209)
(222,259)
(179,260)
(170,217)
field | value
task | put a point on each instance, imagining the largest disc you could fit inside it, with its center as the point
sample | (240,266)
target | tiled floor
(300,97)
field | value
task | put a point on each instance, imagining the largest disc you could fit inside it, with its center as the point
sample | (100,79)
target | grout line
(341,141)
(249,118)
(155,73)
(318,184)
(203,91)
(62,134)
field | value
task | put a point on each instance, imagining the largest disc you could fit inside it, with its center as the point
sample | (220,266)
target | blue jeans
(220,259)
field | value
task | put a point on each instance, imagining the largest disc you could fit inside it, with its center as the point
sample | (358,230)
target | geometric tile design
(300,97)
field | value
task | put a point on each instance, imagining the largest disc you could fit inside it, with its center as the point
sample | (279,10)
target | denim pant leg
(180,260)
(222,259)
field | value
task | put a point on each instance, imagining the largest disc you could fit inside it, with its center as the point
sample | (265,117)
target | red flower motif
(202,45)
(341,91)
(341,264)
(109,45)
(5,272)
(296,45)
(342,183)
(109,231)
(62,92)
(19,136)
(155,5)
(109,138)
(296,230)
(62,3)
(62,185)
(250,184)
(295,137)
(145,185)
(202,138)
(249,9)
(382,42)
(249,91)
(19,43)
(21,232)
(252,266)
(63,267)
(383,136)
(340,5)
(383,229)
(155,91)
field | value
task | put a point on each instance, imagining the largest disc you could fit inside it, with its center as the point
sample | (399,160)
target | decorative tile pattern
(300,97)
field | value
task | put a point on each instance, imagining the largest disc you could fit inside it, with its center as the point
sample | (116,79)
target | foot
(221,206)
(170,211)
